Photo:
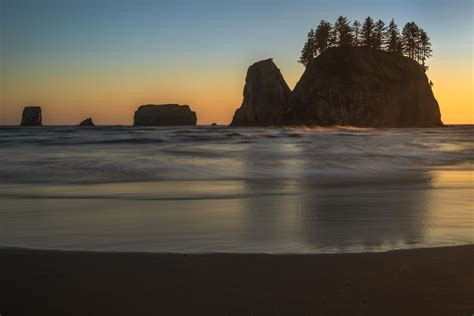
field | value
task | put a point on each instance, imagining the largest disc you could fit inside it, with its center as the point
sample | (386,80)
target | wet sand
(435,281)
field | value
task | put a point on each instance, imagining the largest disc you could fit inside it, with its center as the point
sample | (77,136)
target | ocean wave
(109,154)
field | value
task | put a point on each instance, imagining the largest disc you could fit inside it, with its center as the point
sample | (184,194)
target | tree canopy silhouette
(379,34)
(394,42)
(413,42)
(368,32)
(342,32)
(356,29)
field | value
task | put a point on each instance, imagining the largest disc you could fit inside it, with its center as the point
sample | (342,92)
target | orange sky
(111,98)
(79,59)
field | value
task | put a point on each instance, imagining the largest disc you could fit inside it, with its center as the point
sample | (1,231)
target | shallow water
(211,189)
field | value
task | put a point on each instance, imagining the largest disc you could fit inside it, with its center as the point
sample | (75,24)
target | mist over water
(206,189)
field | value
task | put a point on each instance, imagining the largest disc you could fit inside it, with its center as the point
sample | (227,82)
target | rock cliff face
(31,116)
(164,115)
(266,95)
(87,122)
(363,87)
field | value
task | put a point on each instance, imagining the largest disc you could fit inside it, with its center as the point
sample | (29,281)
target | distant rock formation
(164,115)
(355,86)
(214,124)
(87,122)
(31,116)
(363,87)
(266,95)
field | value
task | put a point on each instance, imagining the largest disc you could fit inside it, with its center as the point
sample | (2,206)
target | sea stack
(31,116)
(164,115)
(266,95)
(363,87)
(87,122)
(357,86)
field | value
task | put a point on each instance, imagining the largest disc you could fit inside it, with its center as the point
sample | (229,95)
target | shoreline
(230,253)
(424,281)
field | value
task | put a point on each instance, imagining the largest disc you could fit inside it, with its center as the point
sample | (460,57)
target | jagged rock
(31,116)
(87,122)
(265,96)
(164,115)
(363,87)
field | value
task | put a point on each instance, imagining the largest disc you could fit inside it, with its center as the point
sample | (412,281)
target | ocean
(238,190)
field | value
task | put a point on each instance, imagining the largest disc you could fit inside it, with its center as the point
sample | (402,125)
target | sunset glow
(104,59)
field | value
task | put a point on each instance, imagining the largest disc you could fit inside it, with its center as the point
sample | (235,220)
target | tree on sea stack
(309,49)
(411,33)
(394,42)
(343,32)
(425,50)
(413,42)
(368,32)
(323,36)
(317,42)
(379,34)
(356,29)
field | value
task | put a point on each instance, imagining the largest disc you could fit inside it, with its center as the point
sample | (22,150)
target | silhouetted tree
(323,36)
(356,30)
(394,42)
(368,32)
(424,48)
(343,32)
(309,50)
(411,34)
(413,42)
(379,35)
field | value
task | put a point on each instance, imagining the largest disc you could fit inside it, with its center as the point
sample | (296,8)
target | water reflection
(259,215)
(335,214)
(374,214)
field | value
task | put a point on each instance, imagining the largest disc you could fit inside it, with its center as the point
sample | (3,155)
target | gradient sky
(104,58)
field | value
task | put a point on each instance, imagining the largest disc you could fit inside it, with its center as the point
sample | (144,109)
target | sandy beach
(433,281)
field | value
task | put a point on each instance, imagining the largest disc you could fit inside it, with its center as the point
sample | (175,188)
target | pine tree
(410,40)
(424,48)
(379,35)
(323,36)
(343,32)
(367,32)
(309,50)
(393,43)
(356,31)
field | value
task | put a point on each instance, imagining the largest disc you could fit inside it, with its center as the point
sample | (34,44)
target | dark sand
(437,281)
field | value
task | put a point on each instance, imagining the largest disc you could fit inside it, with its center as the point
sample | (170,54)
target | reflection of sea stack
(164,115)
(266,94)
(87,122)
(31,116)
(356,86)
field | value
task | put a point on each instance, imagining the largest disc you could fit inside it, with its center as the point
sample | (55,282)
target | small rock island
(266,96)
(87,122)
(164,115)
(31,116)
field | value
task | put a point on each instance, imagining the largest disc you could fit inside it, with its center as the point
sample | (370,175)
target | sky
(104,58)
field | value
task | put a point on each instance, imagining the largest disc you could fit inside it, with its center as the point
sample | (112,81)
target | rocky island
(31,116)
(364,87)
(87,122)
(164,115)
(357,86)
(266,96)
